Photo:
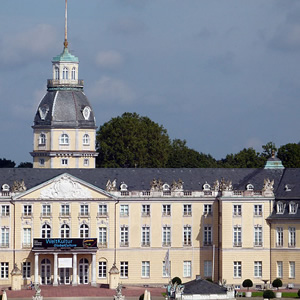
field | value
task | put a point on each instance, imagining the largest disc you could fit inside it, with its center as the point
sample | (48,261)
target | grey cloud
(128,26)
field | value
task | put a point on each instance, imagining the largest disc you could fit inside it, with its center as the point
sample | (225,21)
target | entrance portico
(66,261)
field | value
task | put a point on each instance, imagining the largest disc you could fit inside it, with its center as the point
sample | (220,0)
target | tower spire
(66,25)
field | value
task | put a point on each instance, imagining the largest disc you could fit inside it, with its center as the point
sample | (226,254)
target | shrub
(209,279)
(298,293)
(277,283)
(176,280)
(268,294)
(141,297)
(247,283)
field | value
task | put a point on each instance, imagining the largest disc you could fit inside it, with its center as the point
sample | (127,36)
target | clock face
(86,112)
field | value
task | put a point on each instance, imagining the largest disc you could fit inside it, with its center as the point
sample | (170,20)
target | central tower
(64,127)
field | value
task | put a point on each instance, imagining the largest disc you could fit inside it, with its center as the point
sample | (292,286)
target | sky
(222,74)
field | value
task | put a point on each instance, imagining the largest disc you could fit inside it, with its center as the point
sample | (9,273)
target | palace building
(66,222)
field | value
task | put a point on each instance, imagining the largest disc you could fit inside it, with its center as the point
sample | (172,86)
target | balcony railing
(102,245)
(279,245)
(51,83)
(46,215)
(292,245)
(207,243)
(65,215)
(124,244)
(257,244)
(84,215)
(4,245)
(237,244)
(26,215)
(145,244)
(26,245)
(102,214)
(166,244)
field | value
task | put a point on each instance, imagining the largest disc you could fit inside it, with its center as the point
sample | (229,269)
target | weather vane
(66,25)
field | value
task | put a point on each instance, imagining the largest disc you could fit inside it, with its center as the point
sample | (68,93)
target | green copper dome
(66,56)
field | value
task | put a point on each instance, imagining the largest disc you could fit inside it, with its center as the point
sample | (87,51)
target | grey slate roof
(139,179)
(65,110)
(203,287)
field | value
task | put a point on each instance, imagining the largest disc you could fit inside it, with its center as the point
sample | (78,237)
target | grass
(284,294)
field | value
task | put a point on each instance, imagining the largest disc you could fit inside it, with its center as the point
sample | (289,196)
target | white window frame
(145,269)
(26,270)
(166,236)
(292,237)
(86,139)
(237,269)
(102,210)
(65,231)
(124,269)
(46,231)
(207,235)
(42,139)
(84,231)
(207,209)
(145,239)
(46,210)
(27,210)
(237,210)
(64,139)
(258,236)
(124,236)
(65,73)
(84,210)
(279,269)
(146,210)
(187,235)
(279,236)
(27,238)
(258,269)
(5,210)
(4,237)
(102,234)
(4,267)
(124,210)
(73,73)
(166,272)
(102,269)
(187,210)
(237,236)
(208,269)
(292,269)
(65,209)
(187,268)
(166,210)
(258,210)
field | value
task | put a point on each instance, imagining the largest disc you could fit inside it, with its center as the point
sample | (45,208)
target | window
(292,269)
(145,268)
(258,236)
(258,210)
(237,210)
(292,208)
(208,268)
(124,269)
(46,231)
(207,209)
(237,269)
(187,235)
(280,207)
(292,236)
(187,268)
(102,236)
(42,161)
(145,236)
(56,73)
(86,162)
(237,236)
(64,139)
(4,237)
(26,270)
(64,161)
(124,236)
(4,270)
(84,231)
(166,210)
(27,237)
(46,210)
(65,73)
(187,209)
(4,210)
(65,210)
(124,210)
(65,231)
(257,269)
(73,73)
(166,269)
(166,235)
(27,210)
(84,210)
(102,210)
(279,269)
(146,210)
(207,238)
(102,269)
(279,237)
(42,139)
(86,139)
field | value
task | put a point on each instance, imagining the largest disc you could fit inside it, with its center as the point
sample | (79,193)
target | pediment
(65,187)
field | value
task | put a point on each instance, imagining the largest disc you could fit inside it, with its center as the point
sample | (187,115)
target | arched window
(65,73)
(42,139)
(73,73)
(56,73)
(86,139)
(65,231)
(64,139)
(46,231)
(84,231)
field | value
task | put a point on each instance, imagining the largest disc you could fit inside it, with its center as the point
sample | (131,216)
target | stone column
(74,280)
(36,268)
(55,282)
(93,283)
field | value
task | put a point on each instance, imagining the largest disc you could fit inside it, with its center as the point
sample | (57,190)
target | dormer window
(249,187)
(86,139)
(42,139)
(166,187)
(206,187)
(5,187)
(56,73)
(123,187)
(73,73)
(65,73)
(280,208)
(293,208)
(64,139)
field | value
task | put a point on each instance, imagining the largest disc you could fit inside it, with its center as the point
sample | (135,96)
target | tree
(268,148)
(277,283)
(183,157)
(289,154)
(25,165)
(247,283)
(247,158)
(6,163)
(132,141)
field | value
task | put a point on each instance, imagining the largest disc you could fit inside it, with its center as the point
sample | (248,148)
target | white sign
(65,262)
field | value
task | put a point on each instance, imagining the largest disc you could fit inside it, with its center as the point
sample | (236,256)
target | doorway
(45,271)
(64,276)
(83,271)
